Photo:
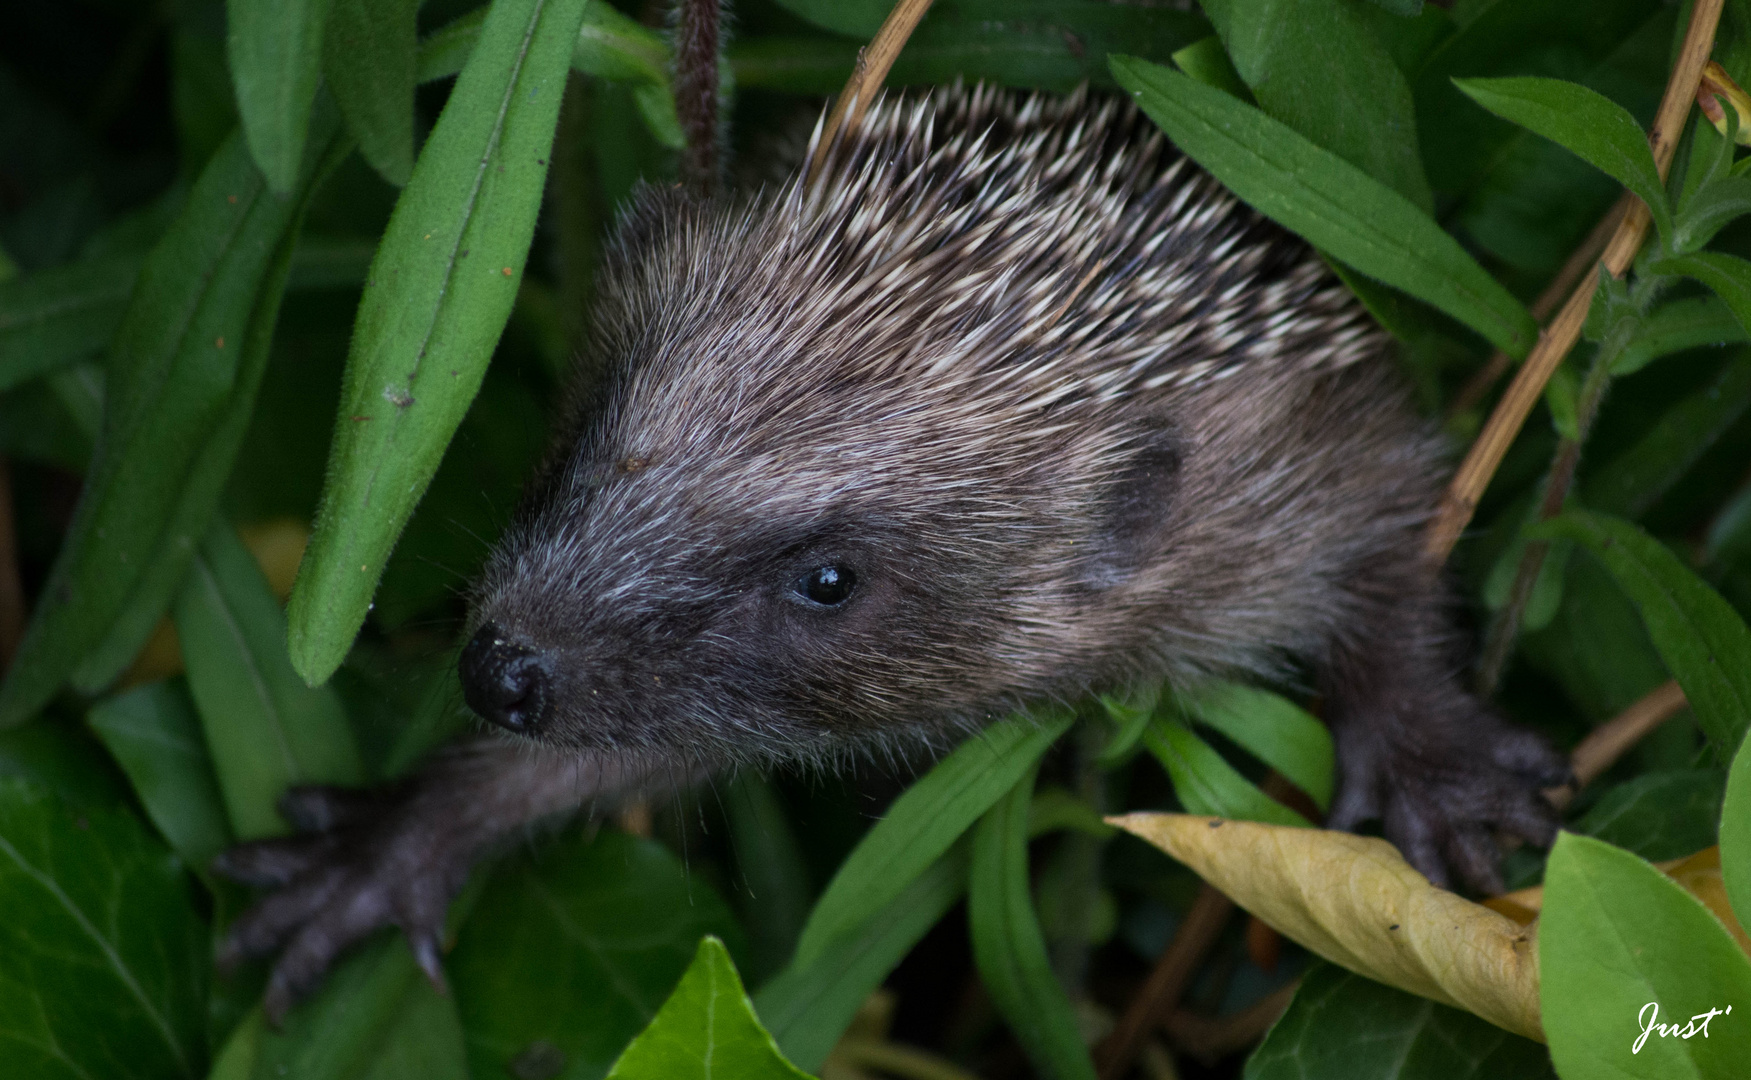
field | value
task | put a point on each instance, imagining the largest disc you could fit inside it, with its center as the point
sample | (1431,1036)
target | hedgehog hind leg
(1440,770)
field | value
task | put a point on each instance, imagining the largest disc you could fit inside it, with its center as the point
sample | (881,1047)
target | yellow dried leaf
(1356,902)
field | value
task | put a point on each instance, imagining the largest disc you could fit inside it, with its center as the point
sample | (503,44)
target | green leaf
(1343,1025)
(923,823)
(1587,123)
(1632,482)
(572,952)
(183,375)
(1704,643)
(1207,61)
(1728,275)
(706,1029)
(58,316)
(375,1018)
(440,290)
(1206,784)
(1053,809)
(275,49)
(105,963)
(1677,326)
(1334,205)
(854,18)
(1619,940)
(369,52)
(1009,947)
(1132,713)
(1273,729)
(156,738)
(1316,66)
(770,864)
(1596,648)
(266,729)
(1713,207)
(1658,815)
(807,1006)
(1735,835)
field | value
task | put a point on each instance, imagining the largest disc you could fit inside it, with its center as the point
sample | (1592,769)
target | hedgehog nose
(506,683)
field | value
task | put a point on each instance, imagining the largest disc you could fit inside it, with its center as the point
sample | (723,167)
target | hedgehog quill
(1012,404)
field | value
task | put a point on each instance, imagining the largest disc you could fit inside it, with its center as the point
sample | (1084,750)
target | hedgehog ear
(1133,522)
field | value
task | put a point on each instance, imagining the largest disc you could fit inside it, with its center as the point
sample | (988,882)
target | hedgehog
(1006,403)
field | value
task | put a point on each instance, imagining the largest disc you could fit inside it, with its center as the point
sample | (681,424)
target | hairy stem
(696,87)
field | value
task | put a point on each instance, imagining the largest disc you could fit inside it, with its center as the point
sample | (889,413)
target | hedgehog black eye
(828,586)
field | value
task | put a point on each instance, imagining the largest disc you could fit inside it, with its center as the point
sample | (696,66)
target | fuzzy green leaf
(1334,205)
(1677,326)
(57,316)
(1620,944)
(1728,275)
(369,52)
(183,375)
(103,962)
(275,49)
(1703,641)
(923,823)
(1587,123)
(706,1029)
(1633,481)
(1717,203)
(439,293)
(1009,947)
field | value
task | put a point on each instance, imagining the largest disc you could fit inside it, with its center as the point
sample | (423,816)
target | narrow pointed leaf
(923,823)
(438,295)
(57,316)
(1586,123)
(1677,326)
(181,386)
(369,52)
(1206,784)
(1715,205)
(1337,207)
(1703,641)
(1735,834)
(1728,275)
(275,50)
(156,737)
(266,729)
(1274,730)
(1009,947)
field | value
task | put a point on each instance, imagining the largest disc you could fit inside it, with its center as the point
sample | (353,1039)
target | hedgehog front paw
(360,861)
(1442,791)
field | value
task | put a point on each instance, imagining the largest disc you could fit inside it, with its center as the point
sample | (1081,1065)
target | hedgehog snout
(506,683)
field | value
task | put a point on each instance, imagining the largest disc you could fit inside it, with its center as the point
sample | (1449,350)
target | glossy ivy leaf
(1676,326)
(104,961)
(1335,206)
(1343,1026)
(156,737)
(275,50)
(370,50)
(374,1018)
(266,729)
(1206,784)
(1658,815)
(575,947)
(1621,944)
(1703,641)
(922,824)
(1273,729)
(807,1006)
(1633,481)
(1317,66)
(1010,949)
(1735,835)
(439,293)
(707,1029)
(1587,123)
(182,378)
(1728,275)
(58,316)
(58,757)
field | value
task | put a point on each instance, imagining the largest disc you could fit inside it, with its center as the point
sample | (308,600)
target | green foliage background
(224,225)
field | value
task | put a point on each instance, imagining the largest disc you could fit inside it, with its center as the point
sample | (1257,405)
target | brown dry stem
(1210,1039)
(1614,738)
(1485,455)
(873,63)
